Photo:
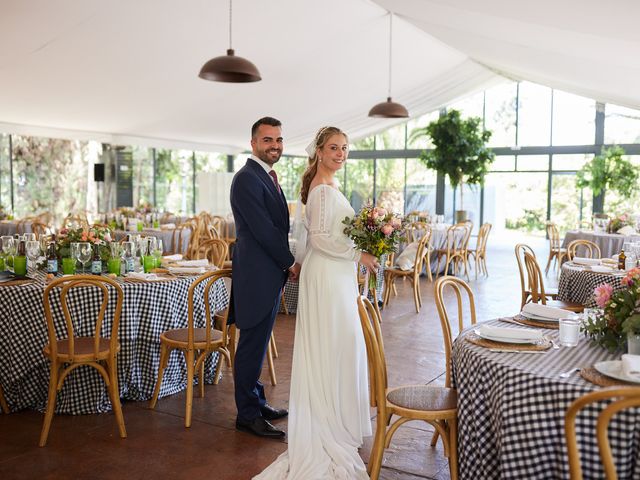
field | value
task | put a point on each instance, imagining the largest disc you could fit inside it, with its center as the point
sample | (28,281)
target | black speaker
(98,172)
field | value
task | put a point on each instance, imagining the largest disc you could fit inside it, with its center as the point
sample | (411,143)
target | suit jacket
(261,256)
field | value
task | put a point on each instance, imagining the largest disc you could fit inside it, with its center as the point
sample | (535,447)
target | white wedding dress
(329,399)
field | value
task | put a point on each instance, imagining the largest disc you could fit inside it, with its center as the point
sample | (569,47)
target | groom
(261,263)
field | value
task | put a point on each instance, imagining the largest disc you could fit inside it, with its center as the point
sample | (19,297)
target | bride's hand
(369,261)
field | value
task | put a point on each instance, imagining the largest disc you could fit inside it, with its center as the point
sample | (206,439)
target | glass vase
(633,343)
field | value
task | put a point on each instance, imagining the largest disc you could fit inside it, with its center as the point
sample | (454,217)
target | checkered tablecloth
(577,284)
(511,410)
(148,309)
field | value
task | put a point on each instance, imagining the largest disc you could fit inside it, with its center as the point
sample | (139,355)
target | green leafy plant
(609,171)
(460,150)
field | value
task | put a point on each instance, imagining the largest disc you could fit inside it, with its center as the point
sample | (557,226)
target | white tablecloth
(610,243)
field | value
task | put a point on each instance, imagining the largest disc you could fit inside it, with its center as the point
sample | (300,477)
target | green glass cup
(140,226)
(149,263)
(20,265)
(68,266)
(2,266)
(113,266)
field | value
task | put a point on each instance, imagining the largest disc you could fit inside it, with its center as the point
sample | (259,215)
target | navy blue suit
(261,259)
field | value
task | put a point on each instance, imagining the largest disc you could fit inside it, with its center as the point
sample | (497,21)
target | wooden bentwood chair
(95,351)
(3,402)
(536,284)
(480,252)
(555,250)
(586,247)
(628,397)
(525,288)
(196,343)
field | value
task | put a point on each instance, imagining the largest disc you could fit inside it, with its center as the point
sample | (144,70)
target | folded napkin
(186,270)
(609,261)
(510,333)
(552,313)
(149,277)
(602,268)
(193,263)
(631,365)
(627,230)
(586,261)
(168,226)
(173,258)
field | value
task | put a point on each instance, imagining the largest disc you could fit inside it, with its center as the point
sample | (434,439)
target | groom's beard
(270,156)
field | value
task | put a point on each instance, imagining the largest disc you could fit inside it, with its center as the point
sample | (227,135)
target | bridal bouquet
(376,231)
(621,312)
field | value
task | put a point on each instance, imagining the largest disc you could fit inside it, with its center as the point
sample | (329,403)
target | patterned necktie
(274,176)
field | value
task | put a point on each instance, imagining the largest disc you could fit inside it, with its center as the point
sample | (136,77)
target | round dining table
(577,283)
(609,243)
(149,308)
(10,227)
(511,409)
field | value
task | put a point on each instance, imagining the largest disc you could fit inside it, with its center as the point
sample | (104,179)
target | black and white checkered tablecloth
(511,410)
(149,309)
(577,284)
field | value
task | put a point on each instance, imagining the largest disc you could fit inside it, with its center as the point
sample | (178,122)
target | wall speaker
(98,172)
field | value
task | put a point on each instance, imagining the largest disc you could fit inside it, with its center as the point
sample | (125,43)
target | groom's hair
(274,122)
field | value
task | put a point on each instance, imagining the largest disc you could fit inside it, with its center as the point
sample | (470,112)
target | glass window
(392,138)
(359,182)
(174,181)
(500,114)
(572,162)
(142,176)
(532,162)
(366,143)
(390,184)
(573,119)
(614,204)
(469,201)
(5,176)
(421,188)
(534,114)
(516,201)
(290,170)
(621,125)
(420,122)
(471,106)
(569,204)
(503,162)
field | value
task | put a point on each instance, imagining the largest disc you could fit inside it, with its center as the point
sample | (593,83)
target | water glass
(33,252)
(113,265)
(85,253)
(569,331)
(68,266)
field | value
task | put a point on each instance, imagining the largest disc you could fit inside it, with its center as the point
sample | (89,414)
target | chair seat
(83,349)
(571,306)
(180,336)
(424,397)
(397,272)
(226,264)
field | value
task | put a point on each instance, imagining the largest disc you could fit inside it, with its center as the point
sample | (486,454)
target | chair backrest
(586,247)
(457,285)
(468,224)
(455,239)
(554,236)
(69,284)
(215,250)
(423,249)
(208,280)
(75,221)
(483,236)
(416,230)
(628,397)
(534,275)
(371,328)
(176,239)
(39,228)
(520,250)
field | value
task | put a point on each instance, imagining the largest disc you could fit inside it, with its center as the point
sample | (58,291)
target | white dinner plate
(532,316)
(613,369)
(496,338)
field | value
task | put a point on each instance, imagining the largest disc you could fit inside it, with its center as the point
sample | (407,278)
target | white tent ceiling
(125,71)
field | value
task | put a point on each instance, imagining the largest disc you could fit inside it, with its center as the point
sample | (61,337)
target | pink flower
(631,277)
(396,222)
(387,229)
(107,237)
(603,294)
(623,217)
(84,237)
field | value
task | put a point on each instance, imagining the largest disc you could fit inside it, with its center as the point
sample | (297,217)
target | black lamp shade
(230,68)
(388,109)
(98,172)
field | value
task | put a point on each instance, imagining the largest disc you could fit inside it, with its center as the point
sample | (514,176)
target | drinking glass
(569,331)
(157,252)
(7,246)
(29,236)
(84,254)
(33,252)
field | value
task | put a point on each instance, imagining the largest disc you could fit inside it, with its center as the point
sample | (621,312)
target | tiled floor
(158,446)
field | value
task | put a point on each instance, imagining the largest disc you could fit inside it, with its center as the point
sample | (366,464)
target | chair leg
(190,374)
(51,404)
(225,353)
(201,377)
(427,267)
(551,256)
(434,438)
(377,450)
(232,332)
(416,292)
(114,393)
(453,448)
(284,304)
(272,368)
(164,360)
(273,345)
(3,402)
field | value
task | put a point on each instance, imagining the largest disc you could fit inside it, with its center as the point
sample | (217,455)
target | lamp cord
(230,10)
(390,49)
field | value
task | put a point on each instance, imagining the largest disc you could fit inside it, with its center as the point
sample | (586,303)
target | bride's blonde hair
(321,139)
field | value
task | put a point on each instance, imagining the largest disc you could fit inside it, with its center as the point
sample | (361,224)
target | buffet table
(511,409)
(149,308)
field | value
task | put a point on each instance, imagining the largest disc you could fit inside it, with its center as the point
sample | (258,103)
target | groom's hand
(294,272)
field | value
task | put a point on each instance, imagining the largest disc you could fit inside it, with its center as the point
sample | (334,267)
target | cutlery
(506,350)
(568,373)
(553,342)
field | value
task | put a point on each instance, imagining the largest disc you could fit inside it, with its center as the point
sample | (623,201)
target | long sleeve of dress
(320,213)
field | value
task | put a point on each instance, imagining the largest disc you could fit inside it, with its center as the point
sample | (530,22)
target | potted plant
(460,151)
(608,171)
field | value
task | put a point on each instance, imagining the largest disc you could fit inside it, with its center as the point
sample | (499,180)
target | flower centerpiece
(97,235)
(619,221)
(620,314)
(376,231)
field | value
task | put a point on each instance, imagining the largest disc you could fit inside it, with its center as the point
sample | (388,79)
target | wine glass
(33,252)
(84,254)
(157,252)
(29,237)
(7,247)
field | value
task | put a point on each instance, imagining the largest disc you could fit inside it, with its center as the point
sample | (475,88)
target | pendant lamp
(389,109)
(229,67)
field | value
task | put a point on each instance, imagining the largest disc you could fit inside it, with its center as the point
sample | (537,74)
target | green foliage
(532,220)
(631,326)
(460,148)
(609,171)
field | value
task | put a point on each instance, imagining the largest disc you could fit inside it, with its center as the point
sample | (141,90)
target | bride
(329,399)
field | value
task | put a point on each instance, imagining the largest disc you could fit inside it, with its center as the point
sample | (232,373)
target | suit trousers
(247,367)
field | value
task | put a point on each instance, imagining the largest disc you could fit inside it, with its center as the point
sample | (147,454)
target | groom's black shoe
(260,427)
(270,413)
